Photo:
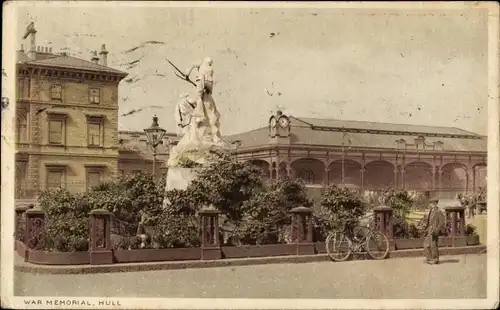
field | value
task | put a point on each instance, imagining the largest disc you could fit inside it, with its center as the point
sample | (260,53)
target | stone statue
(198,124)
(205,109)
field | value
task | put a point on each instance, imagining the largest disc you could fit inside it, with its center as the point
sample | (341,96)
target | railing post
(20,223)
(455,215)
(209,227)
(35,226)
(383,221)
(302,230)
(100,237)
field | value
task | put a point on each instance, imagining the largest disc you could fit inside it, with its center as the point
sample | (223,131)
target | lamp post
(154,134)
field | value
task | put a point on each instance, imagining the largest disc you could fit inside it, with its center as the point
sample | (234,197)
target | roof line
(465,134)
(106,69)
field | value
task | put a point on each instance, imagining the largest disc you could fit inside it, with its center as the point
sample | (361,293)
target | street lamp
(154,134)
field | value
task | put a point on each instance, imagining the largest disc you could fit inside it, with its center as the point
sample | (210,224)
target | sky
(396,66)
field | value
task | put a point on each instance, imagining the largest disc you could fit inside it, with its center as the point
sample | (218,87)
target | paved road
(458,277)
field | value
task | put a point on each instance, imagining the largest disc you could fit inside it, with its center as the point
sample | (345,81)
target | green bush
(470,230)
(401,203)
(226,184)
(177,224)
(67,214)
(341,208)
(266,217)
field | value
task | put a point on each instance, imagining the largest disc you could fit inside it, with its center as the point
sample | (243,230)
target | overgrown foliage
(67,214)
(266,215)
(226,184)
(341,208)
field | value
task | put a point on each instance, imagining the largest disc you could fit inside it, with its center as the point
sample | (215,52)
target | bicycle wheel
(377,245)
(338,246)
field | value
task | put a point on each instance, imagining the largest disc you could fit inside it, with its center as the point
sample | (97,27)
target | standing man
(435,224)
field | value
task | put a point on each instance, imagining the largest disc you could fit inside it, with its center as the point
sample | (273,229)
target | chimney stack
(104,55)
(20,53)
(94,58)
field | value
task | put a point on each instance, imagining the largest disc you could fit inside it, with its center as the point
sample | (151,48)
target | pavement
(459,276)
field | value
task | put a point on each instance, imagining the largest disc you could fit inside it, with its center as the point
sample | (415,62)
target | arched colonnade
(379,174)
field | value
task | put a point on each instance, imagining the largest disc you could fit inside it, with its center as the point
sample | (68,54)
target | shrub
(470,230)
(266,215)
(67,214)
(226,184)
(401,203)
(66,222)
(175,225)
(340,208)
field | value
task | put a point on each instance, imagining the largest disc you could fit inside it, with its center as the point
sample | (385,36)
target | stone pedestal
(455,215)
(180,178)
(209,228)
(382,216)
(100,237)
(302,230)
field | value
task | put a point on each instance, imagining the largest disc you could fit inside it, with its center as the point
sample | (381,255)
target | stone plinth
(180,178)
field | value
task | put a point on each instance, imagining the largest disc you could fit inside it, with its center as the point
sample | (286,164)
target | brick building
(66,119)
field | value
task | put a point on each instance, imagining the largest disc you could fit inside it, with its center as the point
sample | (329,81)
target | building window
(56,177)
(438,145)
(94,130)
(95,95)
(420,142)
(401,144)
(21,127)
(56,92)
(57,124)
(94,134)
(94,178)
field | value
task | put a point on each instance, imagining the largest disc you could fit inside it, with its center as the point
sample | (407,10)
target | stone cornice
(328,148)
(58,104)
(70,74)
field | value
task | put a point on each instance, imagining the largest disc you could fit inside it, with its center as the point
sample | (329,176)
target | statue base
(180,178)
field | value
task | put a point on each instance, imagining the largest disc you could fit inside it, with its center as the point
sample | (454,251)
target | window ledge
(90,146)
(56,144)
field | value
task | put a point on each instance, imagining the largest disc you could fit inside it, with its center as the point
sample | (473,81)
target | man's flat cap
(434,201)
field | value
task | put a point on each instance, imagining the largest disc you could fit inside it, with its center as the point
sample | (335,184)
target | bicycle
(375,243)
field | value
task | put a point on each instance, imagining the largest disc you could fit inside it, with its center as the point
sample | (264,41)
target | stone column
(302,230)
(396,185)
(467,180)
(403,178)
(474,179)
(326,178)
(433,177)
(440,180)
(383,221)
(209,225)
(362,171)
(455,218)
(289,169)
(100,237)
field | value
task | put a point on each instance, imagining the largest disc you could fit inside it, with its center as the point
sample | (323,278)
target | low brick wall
(58,258)
(156,255)
(267,250)
(227,252)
